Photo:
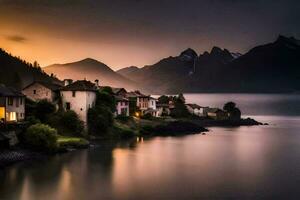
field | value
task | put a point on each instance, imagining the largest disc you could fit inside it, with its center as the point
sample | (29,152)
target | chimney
(97,83)
(68,82)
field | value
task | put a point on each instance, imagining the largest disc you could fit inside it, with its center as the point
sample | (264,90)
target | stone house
(39,90)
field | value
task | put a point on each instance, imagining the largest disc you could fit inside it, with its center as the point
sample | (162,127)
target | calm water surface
(259,162)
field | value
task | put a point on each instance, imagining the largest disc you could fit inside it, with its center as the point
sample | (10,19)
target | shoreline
(164,129)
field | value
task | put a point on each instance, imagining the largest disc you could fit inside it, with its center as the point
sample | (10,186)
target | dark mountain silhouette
(18,73)
(90,69)
(273,67)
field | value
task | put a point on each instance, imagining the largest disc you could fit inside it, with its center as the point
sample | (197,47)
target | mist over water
(257,162)
(252,104)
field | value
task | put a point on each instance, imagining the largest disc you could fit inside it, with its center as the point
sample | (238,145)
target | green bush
(41,137)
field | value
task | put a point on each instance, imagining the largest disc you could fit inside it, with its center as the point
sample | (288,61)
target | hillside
(272,67)
(90,69)
(17,73)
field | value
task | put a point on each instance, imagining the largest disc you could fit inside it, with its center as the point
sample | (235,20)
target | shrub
(123,133)
(41,137)
(147,116)
(123,118)
(67,123)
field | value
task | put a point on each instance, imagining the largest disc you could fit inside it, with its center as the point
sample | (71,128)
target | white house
(79,97)
(122,107)
(197,110)
(12,105)
(39,90)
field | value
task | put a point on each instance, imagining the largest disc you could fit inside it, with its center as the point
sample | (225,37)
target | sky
(122,33)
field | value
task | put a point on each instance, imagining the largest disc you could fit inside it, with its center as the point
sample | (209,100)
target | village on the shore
(80,98)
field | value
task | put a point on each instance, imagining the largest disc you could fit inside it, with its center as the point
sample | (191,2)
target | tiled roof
(194,106)
(9,92)
(51,86)
(136,94)
(82,85)
(120,98)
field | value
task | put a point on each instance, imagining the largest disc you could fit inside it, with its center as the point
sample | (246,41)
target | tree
(179,110)
(234,112)
(229,106)
(181,98)
(43,109)
(100,119)
(163,99)
(106,98)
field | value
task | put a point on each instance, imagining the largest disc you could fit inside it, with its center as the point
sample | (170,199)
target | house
(39,90)
(163,110)
(79,97)
(119,92)
(195,109)
(152,109)
(122,107)
(217,114)
(140,100)
(12,105)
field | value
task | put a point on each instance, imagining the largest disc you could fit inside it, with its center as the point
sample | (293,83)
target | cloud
(16,38)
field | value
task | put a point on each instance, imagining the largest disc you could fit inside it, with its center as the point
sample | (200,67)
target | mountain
(128,70)
(90,69)
(175,74)
(273,67)
(18,73)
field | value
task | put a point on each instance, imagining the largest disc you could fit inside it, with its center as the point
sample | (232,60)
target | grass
(72,142)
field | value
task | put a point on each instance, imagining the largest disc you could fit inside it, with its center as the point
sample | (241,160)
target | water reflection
(235,163)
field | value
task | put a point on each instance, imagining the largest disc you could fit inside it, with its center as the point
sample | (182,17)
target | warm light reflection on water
(259,162)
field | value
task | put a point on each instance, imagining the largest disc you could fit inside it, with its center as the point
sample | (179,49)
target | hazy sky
(121,33)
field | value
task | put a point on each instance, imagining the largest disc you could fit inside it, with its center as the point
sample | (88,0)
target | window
(17,103)
(10,101)
(68,106)
(34,91)
(21,101)
(73,93)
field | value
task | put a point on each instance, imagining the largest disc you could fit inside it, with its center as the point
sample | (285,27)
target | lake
(259,162)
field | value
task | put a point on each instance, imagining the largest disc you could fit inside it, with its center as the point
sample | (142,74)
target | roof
(117,90)
(193,106)
(81,85)
(9,92)
(136,94)
(165,105)
(214,110)
(51,86)
(120,98)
